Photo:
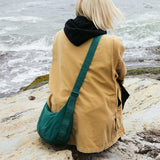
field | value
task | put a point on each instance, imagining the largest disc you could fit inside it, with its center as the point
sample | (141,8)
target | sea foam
(29,19)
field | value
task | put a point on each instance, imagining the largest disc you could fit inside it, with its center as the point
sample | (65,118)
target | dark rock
(144,150)
(22,88)
(154,153)
(31,98)
(141,60)
(152,136)
(150,151)
(158,78)
(38,82)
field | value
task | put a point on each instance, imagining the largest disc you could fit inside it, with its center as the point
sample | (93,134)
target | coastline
(144,73)
(153,73)
(141,73)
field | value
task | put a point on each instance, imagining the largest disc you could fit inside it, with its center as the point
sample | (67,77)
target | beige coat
(97,122)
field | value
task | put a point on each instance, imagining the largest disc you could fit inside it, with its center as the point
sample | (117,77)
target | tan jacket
(97,122)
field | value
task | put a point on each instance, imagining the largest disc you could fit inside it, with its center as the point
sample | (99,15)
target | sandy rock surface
(19,115)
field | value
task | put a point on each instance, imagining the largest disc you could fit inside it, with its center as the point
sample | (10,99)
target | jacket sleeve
(50,83)
(118,51)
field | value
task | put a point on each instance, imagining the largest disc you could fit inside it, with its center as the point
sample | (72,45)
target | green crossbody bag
(55,128)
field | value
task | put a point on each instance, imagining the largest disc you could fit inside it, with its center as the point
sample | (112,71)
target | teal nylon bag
(55,128)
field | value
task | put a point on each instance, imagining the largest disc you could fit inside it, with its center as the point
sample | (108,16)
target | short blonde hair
(103,13)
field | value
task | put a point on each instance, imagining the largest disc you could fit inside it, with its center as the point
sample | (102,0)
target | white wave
(41,44)
(11,28)
(21,18)
(15,62)
(21,9)
(35,4)
(39,3)
(6,29)
(2,32)
(141,31)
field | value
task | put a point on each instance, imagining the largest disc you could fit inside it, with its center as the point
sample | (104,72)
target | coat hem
(91,150)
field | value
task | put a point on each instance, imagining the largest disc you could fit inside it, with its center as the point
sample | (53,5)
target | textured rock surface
(19,115)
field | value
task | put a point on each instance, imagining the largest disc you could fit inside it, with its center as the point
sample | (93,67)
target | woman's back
(97,116)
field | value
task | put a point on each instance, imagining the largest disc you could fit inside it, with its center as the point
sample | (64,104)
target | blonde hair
(103,13)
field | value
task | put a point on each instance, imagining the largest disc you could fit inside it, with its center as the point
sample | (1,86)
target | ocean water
(27,30)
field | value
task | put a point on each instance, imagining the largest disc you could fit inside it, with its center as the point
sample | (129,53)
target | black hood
(80,30)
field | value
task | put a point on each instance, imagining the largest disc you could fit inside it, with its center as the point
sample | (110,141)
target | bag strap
(68,116)
(85,66)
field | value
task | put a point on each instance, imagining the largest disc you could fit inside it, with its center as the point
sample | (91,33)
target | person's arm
(119,68)
(51,77)
(118,51)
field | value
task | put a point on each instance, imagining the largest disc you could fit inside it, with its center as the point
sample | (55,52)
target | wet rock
(145,149)
(152,136)
(149,150)
(147,5)
(141,60)
(155,50)
(38,82)
(158,78)
(154,153)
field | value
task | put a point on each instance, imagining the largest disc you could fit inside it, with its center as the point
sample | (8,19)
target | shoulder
(117,43)
(58,37)
(114,38)
(114,41)
(58,34)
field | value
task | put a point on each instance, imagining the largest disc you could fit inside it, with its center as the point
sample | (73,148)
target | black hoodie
(80,30)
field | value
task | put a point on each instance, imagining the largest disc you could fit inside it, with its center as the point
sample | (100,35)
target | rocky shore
(19,114)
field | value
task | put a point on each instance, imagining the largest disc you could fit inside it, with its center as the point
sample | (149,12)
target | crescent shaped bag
(55,128)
